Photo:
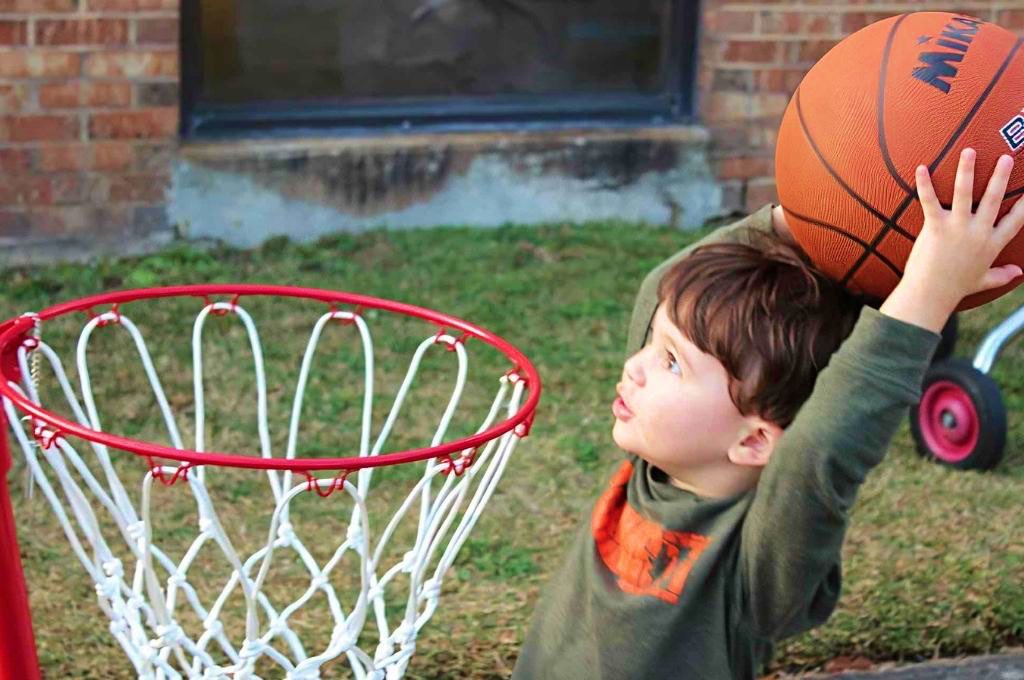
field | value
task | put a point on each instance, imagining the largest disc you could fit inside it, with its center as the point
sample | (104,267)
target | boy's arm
(796,524)
(647,297)
(794,530)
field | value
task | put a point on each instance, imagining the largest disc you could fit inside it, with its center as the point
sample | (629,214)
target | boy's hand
(953,255)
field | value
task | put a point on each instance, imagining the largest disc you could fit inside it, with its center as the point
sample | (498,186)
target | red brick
(13,97)
(801,23)
(148,64)
(854,21)
(14,225)
(138,188)
(729,21)
(759,192)
(38,6)
(26,190)
(15,160)
(154,158)
(1011,18)
(13,32)
(757,51)
(131,5)
(808,52)
(64,95)
(112,155)
(141,124)
(781,22)
(727,106)
(38,64)
(41,128)
(82,32)
(779,80)
(94,94)
(69,189)
(62,157)
(740,167)
(64,220)
(156,32)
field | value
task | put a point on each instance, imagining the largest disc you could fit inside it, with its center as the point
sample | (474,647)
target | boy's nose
(635,368)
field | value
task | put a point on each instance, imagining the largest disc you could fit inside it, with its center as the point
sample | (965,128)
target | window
(255,66)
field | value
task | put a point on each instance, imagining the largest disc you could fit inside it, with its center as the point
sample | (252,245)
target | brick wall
(753,55)
(89,91)
(88,119)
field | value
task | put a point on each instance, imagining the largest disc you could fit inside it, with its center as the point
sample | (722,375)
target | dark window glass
(247,53)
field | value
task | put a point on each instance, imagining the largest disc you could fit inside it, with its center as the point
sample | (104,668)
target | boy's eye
(672,365)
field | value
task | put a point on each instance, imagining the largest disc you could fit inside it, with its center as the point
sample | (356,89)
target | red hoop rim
(13,331)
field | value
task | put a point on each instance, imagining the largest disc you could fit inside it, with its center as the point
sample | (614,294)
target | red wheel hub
(948,421)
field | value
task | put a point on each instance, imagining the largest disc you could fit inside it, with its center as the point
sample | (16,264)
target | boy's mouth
(620,410)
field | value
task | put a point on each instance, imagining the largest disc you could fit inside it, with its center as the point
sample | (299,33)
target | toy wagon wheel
(961,419)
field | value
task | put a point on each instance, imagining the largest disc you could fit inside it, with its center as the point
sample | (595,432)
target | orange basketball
(908,90)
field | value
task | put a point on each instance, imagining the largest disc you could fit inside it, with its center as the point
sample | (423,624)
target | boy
(721,532)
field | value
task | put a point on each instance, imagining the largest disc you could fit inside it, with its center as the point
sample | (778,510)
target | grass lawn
(933,562)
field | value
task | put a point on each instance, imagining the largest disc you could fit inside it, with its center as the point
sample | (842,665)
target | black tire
(947,344)
(961,420)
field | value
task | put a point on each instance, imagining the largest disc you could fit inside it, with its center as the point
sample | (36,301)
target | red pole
(18,660)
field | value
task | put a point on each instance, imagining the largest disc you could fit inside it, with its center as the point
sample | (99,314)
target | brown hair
(766,314)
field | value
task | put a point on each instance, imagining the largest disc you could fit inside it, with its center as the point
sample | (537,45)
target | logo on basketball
(1013,132)
(938,70)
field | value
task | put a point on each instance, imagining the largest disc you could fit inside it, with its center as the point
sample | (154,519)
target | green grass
(933,565)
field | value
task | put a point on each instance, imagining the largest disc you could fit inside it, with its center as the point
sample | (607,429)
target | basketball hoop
(163,610)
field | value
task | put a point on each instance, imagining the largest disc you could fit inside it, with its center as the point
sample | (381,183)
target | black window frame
(675,104)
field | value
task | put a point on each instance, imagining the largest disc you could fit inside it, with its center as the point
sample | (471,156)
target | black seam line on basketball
(846,187)
(1015,192)
(890,223)
(880,107)
(831,227)
(849,190)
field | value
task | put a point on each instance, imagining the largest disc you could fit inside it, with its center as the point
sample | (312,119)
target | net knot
(113,568)
(118,626)
(405,635)
(215,627)
(44,436)
(251,649)
(178,578)
(205,524)
(222,308)
(431,589)
(108,588)
(112,317)
(171,635)
(344,639)
(318,581)
(409,561)
(285,534)
(136,530)
(343,317)
(449,343)
(279,626)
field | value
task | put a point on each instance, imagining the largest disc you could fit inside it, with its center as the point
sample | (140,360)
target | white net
(376,581)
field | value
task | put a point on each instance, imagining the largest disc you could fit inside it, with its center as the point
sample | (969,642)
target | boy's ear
(757,443)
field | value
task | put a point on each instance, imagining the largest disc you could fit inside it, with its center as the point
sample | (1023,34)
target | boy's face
(673,407)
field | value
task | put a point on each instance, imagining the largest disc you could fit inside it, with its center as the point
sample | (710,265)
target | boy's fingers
(963,186)
(997,277)
(988,208)
(1011,224)
(926,193)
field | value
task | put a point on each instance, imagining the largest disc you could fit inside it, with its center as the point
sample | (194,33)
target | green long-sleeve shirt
(661,583)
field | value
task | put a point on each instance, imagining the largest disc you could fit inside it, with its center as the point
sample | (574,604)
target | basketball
(908,90)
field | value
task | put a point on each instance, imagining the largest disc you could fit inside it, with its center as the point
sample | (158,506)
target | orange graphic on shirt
(645,558)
